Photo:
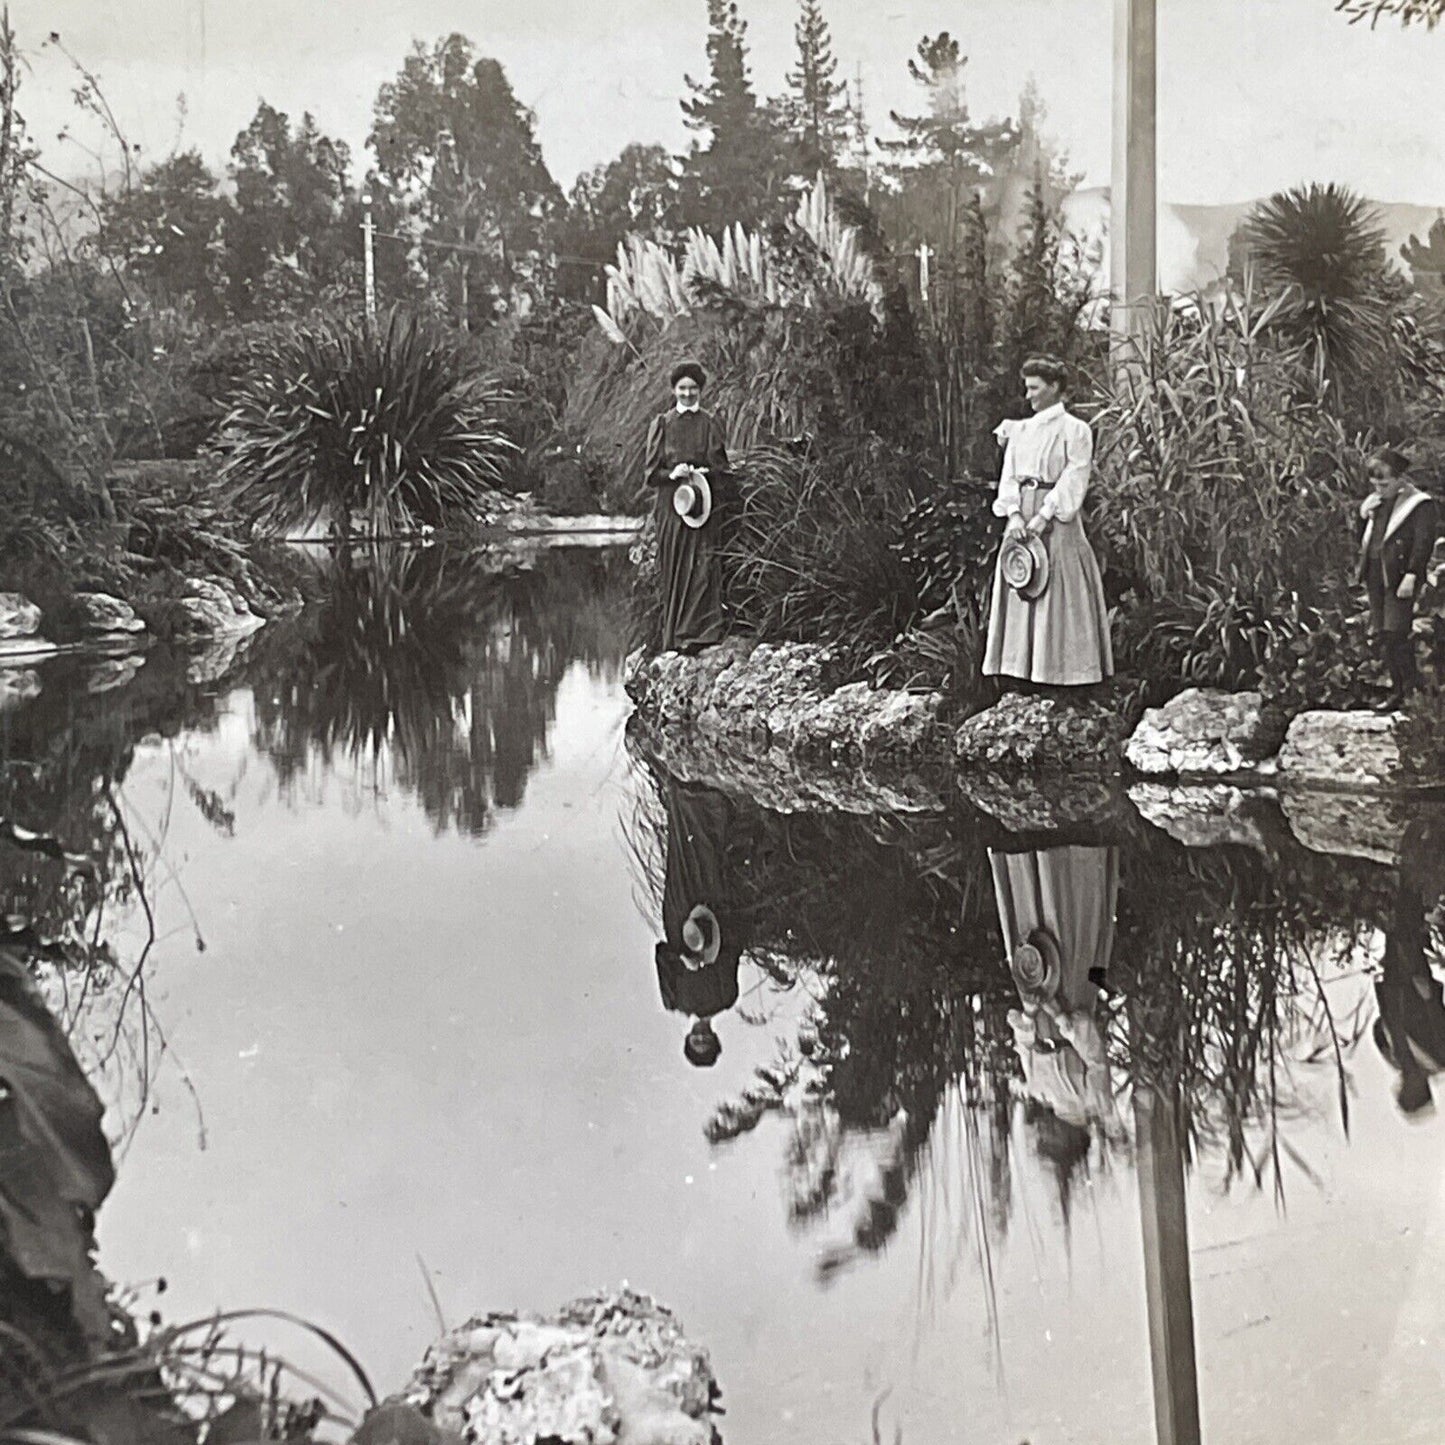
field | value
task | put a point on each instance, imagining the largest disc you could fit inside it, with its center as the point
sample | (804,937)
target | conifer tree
(942,156)
(816,107)
(734,166)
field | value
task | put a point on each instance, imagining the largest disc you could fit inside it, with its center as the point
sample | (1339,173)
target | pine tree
(816,107)
(734,166)
(942,156)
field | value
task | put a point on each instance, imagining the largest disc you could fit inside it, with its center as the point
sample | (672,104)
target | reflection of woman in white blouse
(1062,637)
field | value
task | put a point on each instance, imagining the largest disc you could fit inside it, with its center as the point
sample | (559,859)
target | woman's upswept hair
(1046,368)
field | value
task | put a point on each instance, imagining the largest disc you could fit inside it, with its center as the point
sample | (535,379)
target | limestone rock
(1349,750)
(783,695)
(19,617)
(209,606)
(1040,734)
(605,1369)
(1204,732)
(98,613)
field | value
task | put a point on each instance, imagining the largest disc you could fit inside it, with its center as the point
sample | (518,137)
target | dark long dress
(698,822)
(687,557)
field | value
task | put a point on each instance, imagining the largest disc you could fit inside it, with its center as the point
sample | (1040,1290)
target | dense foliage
(861,301)
(1224,500)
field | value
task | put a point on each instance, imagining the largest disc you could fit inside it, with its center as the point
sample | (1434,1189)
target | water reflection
(702,945)
(1172,1009)
(985,1037)
(1410,1029)
(437,672)
(55,1169)
(1056,914)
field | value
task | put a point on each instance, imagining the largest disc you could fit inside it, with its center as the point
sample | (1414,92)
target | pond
(387,963)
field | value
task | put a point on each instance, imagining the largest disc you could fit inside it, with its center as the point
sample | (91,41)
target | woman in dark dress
(687,556)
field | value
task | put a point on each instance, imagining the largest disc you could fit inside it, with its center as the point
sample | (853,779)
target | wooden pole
(1133,199)
(368,231)
(1167,1288)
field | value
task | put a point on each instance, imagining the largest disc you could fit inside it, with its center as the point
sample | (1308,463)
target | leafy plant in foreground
(395,424)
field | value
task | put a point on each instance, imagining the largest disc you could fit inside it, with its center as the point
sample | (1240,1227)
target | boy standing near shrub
(1401,524)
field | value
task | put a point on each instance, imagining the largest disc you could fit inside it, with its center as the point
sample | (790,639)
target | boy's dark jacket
(1409,542)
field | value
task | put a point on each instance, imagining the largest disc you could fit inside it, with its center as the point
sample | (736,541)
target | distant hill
(1194,240)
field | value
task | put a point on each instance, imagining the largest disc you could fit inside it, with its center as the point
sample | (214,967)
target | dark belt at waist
(1036,483)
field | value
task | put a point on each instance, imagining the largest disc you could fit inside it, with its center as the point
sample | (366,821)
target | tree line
(468,216)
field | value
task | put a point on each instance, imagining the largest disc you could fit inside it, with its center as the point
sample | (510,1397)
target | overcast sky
(1254,94)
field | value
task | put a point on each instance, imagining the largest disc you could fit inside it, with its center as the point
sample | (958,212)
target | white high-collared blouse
(1055,446)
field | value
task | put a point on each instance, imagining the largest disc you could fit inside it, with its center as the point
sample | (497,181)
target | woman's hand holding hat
(1016,526)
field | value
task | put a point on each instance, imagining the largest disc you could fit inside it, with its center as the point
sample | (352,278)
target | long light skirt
(1062,638)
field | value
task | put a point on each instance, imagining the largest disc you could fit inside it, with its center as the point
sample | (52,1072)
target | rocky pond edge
(781,723)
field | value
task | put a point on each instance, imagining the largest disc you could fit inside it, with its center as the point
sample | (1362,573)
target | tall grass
(398,425)
(1224,498)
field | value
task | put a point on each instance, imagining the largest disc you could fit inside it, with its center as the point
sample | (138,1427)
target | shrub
(1226,499)
(396,424)
(811,556)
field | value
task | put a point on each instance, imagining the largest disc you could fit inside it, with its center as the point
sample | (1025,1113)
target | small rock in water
(1026,734)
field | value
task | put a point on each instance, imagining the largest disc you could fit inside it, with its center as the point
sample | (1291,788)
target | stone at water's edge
(209,607)
(19,617)
(1352,750)
(1021,734)
(788,696)
(1205,732)
(98,613)
(610,1369)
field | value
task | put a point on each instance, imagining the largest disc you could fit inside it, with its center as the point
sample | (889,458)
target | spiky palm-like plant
(397,424)
(1321,248)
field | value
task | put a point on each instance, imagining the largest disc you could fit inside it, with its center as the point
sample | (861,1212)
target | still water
(386,968)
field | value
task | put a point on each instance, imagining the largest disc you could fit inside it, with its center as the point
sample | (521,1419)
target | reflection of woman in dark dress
(1410,1031)
(697,963)
(689,568)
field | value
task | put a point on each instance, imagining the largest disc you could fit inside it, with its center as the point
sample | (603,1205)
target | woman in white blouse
(1060,638)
